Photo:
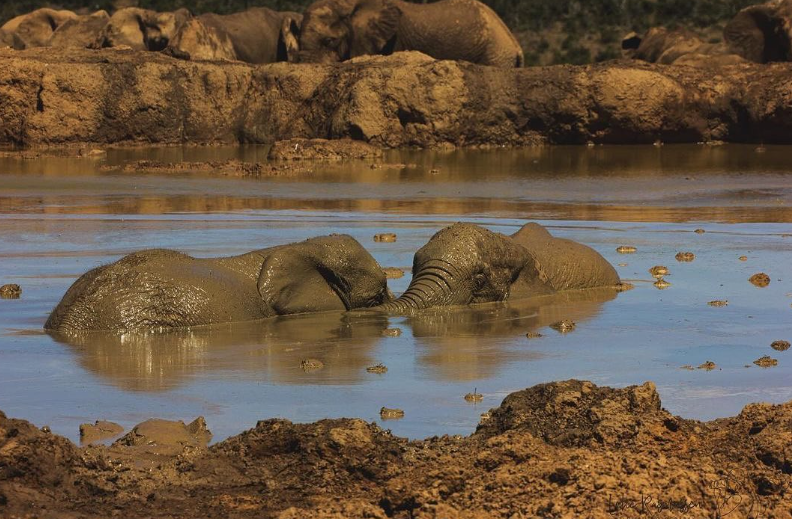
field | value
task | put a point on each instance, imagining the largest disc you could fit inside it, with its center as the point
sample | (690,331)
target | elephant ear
(288,45)
(291,282)
(374,29)
(757,34)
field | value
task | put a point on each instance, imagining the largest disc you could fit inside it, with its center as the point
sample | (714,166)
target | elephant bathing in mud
(258,35)
(336,30)
(465,264)
(160,289)
(33,29)
(141,29)
(762,33)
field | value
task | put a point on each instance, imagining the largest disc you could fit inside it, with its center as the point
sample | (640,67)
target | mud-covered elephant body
(258,35)
(35,28)
(160,289)
(465,264)
(336,30)
(762,33)
(79,32)
(677,47)
(141,29)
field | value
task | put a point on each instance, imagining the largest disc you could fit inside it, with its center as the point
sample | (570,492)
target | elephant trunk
(432,285)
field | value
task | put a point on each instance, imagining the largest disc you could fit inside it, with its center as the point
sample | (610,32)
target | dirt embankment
(566,449)
(50,97)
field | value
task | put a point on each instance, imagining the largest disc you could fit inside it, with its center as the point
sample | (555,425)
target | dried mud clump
(386,237)
(626,249)
(311,364)
(378,368)
(322,149)
(563,326)
(100,430)
(780,345)
(760,280)
(578,450)
(387,413)
(685,257)
(766,362)
(10,291)
(718,303)
(708,366)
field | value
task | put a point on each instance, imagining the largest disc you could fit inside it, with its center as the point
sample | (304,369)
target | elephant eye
(478,281)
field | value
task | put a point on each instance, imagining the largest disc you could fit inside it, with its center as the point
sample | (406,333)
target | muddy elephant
(141,29)
(258,35)
(762,33)
(336,30)
(677,47)
(35,28)
(163,289)
(80,32)
(465,264)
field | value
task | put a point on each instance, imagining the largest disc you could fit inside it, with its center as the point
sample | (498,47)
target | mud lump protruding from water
(387,413)
(760,280)
(10,291)
(766,361)
(322,149)
(685,257)
(100,430)
(780,345)
(387,237)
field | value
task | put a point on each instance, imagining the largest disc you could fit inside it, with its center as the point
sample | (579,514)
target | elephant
(258,35)
(160,289)
(79,32)
(676,47)
(35,28)
(762,33)
(465,264)
(336,30)
(141,29)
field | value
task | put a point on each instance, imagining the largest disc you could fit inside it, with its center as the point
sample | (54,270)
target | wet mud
(577,449)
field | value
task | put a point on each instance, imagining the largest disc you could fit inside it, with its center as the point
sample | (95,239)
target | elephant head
(465,264)
(336,30)
(141,29)
(761,33)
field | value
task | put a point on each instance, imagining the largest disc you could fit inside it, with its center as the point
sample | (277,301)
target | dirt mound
(566,449)
(322,149)
(111,96)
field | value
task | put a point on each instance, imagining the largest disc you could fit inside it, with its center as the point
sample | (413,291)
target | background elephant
(141,29)
(677,47)
(258,35)
(336,30)
(761,33)
(79,32)
(159,289)
(465,264)
(35,28)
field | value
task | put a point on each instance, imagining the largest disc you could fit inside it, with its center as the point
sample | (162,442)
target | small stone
(625,249)
(708,366)
(379,369)
(699,231)
(718,302)
(387,237)
(563,326)
(766,361)
(311,364)
(760,280)
(662,284)
(46,429)
(391,332)
(391,414)
(658,271)
(393,273)
(780,345)
(685,256)
(743,258)
(10,291)
(474,397)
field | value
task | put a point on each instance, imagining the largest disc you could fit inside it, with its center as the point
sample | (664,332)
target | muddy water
(61,216)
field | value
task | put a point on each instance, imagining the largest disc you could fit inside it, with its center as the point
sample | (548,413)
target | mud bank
(50,97)
(565,449)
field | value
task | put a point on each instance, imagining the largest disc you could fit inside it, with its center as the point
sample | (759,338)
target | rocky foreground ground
(56,97)
(565,449)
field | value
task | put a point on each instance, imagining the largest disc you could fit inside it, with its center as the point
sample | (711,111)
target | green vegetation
(551,31)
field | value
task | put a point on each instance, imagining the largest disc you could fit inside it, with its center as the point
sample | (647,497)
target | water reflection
(471,343)
(459,344)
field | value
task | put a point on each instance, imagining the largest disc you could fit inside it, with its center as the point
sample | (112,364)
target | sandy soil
(564,449)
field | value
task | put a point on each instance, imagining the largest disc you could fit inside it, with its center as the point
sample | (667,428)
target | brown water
(62,216)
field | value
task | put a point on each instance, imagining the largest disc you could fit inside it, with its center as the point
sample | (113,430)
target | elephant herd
(328,31)
(462,264)
(759,33)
